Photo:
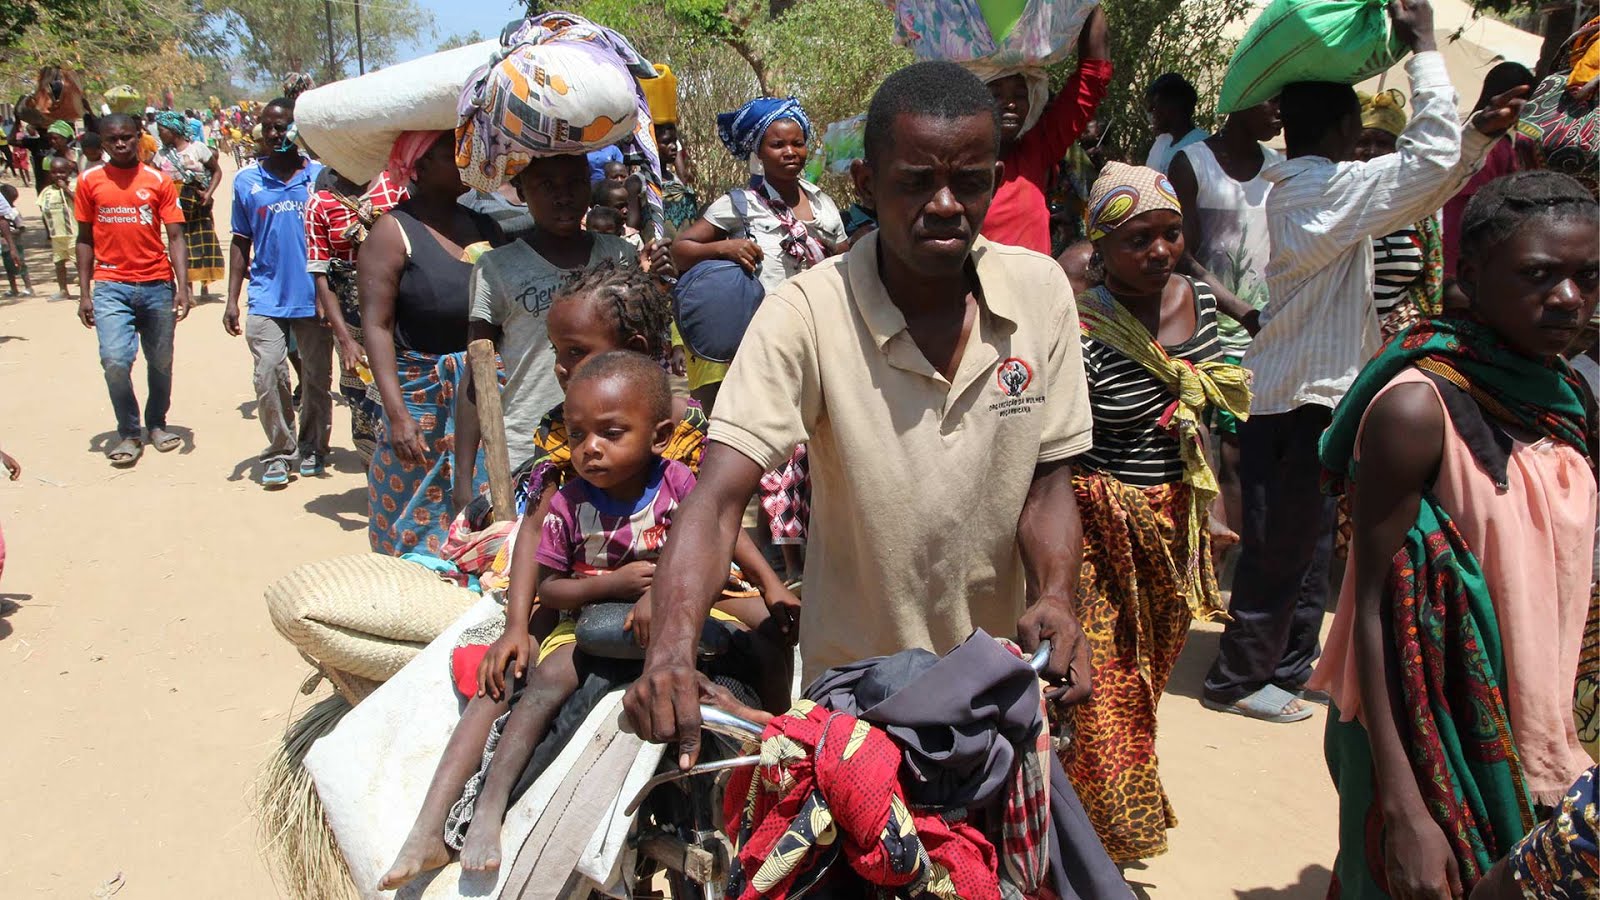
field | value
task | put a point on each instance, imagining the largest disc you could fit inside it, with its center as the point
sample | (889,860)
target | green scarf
(1427,292)
(1452,710)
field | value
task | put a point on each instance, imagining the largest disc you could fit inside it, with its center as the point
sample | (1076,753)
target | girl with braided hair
(601,310)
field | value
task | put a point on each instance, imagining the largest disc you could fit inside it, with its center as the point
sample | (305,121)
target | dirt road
(143,683)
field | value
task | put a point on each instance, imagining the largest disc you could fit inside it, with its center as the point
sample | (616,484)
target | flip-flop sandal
(1320,698)
(125,453)
(1267,705)
(164,440)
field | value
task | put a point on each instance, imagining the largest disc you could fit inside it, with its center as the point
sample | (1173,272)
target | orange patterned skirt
(1131,604)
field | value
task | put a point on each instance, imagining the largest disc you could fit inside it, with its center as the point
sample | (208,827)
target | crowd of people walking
(1359,367)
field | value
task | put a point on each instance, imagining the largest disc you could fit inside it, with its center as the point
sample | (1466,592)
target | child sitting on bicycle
(599,542)
(604,310)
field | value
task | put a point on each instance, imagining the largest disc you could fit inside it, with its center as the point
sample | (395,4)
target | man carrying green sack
(1318,329)
(1345,41)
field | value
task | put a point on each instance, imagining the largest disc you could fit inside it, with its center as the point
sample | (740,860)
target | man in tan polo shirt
(937,380)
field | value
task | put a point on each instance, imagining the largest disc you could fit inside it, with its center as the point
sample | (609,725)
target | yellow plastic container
(661,93)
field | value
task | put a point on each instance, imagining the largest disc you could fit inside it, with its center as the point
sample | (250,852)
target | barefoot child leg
(549,685)
(424,848)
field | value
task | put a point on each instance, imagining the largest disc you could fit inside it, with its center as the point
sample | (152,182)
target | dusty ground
(143,683)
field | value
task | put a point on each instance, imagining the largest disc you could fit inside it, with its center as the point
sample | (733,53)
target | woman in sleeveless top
(1468,447)
(1153,361)
(1223,191)
(412,273)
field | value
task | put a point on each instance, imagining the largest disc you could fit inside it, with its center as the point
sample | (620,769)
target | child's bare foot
(481,852)
(421,853)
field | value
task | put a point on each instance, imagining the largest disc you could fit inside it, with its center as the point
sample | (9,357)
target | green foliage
(832,54)
(279,36)
(106,42)
(1150,37)
(460,40)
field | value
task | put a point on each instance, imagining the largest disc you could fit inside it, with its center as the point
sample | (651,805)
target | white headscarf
(1038,85)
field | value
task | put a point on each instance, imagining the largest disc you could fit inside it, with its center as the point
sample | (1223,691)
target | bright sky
(450,17)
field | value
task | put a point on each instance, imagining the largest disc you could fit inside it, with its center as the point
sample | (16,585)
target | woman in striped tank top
(1155,369)
(1408,265)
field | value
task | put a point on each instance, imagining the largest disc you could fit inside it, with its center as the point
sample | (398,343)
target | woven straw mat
(367,615)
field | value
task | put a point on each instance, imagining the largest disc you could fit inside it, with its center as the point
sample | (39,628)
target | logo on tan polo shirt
(1013,377)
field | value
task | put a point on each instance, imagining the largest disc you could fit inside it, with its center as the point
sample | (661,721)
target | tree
(831,54)
(279,36)
(1150,37)
(152,44)
(460,40)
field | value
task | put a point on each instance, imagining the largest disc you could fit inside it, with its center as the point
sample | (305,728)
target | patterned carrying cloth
(409,506)
(827,788)
(786,499)
(505,120)
(1441,619)
(1565,131)
(1560,860)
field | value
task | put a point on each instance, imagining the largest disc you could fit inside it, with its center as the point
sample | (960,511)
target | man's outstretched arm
(664,704)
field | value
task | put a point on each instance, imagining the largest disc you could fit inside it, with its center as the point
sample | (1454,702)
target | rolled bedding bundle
(1344,41)
(352,124)
(558,85)
(366,615)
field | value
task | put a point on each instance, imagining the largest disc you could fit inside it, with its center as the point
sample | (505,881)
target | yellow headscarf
(1585,58)
(1385,111)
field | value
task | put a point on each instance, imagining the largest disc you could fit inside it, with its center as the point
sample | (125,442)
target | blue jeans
(126,316)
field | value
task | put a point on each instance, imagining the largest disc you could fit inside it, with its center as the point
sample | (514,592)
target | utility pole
(327,9)
(361,53)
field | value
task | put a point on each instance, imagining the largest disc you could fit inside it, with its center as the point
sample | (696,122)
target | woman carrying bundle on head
(339,216)
(413,275)
(1155,368)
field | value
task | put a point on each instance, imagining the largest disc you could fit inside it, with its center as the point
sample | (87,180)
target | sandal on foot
(1320,698)
(164,440)
(1270,704)
(125,453)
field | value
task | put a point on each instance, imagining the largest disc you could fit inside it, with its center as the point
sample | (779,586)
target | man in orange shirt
(140,288)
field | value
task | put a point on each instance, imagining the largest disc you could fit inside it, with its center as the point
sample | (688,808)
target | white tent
(1471,47)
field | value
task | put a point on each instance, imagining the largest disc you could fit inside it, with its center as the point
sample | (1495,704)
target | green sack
(1345,41)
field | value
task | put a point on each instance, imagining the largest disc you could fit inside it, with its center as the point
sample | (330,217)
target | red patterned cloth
(827,787)
(332,226)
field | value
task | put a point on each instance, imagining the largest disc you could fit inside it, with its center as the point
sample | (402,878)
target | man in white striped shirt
(1318,330)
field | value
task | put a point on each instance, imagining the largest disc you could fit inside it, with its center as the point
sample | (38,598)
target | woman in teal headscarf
(193,167)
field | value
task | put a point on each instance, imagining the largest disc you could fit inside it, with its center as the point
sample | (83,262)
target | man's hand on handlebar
(664,705)
(1052,619)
